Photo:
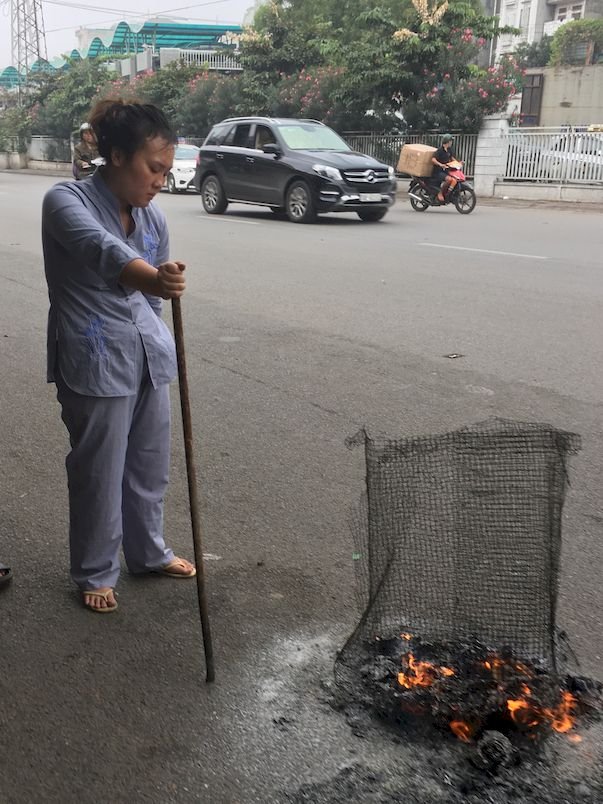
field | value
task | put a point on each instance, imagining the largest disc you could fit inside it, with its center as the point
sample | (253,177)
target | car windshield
(311,137)
(186,152)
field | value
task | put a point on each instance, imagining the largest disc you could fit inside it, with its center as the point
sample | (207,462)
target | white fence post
(491,154)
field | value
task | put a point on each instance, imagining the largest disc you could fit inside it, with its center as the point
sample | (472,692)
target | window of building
(573,12)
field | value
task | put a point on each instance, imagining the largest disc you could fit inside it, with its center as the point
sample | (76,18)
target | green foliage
(61,101)
(536,54)
(571,35)
(15,129)
(164,88)
(211,96)
(280,42)
(356,64)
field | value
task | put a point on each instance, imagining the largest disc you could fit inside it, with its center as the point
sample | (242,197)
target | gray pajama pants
(117,473)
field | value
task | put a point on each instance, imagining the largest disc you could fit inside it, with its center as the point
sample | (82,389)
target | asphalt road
(296,337)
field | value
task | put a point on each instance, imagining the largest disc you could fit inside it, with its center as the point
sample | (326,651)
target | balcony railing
(550,28)
(221,60)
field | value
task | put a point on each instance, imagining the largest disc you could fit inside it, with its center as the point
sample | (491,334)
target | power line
(124,14)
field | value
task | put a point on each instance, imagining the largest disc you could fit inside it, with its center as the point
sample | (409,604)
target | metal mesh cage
(458,539)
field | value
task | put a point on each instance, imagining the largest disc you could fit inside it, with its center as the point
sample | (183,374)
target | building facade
(538,18)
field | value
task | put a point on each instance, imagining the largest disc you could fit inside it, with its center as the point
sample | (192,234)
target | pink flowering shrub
(457,94)
(310,93)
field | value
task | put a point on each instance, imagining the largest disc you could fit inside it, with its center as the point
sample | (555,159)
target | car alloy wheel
(212,196)
(171,183)
(300,205)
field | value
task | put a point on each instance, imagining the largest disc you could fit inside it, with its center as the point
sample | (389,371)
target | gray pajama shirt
(111,357)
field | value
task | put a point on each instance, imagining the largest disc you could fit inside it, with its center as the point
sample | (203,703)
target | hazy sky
(63,17)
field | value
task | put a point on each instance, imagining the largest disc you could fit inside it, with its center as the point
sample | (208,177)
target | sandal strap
(104,595)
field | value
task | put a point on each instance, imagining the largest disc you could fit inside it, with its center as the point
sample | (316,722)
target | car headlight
(327,172)
(391,171)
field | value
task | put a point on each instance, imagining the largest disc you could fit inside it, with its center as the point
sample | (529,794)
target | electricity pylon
(28,37)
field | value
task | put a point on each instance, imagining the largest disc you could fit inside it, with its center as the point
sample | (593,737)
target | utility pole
(28,37)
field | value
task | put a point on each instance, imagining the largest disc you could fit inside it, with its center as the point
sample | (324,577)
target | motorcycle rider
(442,157)
(84,153)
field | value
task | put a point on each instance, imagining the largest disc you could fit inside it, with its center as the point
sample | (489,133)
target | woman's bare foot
(100,600)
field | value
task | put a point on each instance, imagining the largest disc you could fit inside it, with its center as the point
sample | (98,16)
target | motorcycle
(423,192)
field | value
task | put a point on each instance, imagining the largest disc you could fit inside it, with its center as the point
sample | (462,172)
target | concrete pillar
(491,154)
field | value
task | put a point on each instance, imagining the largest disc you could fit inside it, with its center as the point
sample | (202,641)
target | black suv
(297,167)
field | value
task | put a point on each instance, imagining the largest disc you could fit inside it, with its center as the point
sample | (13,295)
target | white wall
(491,154)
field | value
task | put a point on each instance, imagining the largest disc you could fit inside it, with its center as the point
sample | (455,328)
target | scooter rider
(442,157)
(85,153)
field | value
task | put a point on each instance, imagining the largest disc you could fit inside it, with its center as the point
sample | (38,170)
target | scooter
(423,192)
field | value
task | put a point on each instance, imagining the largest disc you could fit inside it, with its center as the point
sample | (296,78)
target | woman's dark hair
(127,126)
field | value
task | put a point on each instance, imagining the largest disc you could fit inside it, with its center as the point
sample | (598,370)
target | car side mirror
(271,148)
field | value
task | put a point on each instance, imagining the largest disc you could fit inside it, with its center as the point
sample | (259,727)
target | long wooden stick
(192,488)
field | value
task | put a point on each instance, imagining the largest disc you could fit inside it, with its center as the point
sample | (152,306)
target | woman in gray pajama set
(106,257)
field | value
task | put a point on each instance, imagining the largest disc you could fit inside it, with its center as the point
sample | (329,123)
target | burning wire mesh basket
(458,540)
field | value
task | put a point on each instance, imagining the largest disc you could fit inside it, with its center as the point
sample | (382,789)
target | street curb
(50,172)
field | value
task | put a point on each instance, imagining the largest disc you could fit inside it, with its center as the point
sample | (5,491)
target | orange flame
(562,717)
(523,709)
(522,713)
(421,674)
(463,730)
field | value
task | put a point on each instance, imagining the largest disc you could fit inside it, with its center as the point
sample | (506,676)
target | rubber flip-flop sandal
(6,574)
(166,570)
(105,597)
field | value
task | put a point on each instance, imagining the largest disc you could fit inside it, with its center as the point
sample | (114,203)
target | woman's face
(138,180)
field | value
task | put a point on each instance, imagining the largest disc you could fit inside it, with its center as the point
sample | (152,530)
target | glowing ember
(464,731)
(523,714)
(421,674)
(562,717)
(523,708)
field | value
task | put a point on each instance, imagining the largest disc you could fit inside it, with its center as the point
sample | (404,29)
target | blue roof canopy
(131,37)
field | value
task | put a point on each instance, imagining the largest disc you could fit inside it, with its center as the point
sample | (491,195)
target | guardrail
(386,147)
(557,156)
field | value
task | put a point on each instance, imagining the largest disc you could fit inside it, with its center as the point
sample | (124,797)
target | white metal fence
(386,147)
(554,155)
(222,60)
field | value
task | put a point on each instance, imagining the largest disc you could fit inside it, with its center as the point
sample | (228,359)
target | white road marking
(228,220)
(485,251)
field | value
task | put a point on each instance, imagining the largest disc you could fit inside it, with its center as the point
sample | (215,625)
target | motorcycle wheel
(465,200)
(418,206)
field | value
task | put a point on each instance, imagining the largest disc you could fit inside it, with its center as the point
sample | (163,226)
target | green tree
(15,128)
(535,54)
(388,54)
(62,101)
(578,42)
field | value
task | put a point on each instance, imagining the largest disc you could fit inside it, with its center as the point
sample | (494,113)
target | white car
(574,157)
(181,176)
